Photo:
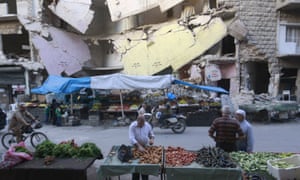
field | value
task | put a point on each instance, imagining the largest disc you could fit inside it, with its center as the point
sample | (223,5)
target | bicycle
(36,138)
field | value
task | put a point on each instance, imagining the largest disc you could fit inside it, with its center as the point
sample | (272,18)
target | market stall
(65,160)
(112,166)
(117,104)
(58,84)
(176,164)
(206,163)
(70,168)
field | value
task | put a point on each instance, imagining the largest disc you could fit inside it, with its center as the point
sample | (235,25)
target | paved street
(275,137)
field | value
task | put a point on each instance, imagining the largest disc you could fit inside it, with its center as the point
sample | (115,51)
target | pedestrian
(165,113)
(140,135)
(58,114)
(142,109)
(225,131)
(18,122)
(47,113)
(2,118)
(53,107)
(247,143)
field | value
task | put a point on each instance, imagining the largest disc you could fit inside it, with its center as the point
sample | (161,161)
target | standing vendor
(140,135)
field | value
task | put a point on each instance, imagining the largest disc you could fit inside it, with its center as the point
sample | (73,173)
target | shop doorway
(288,83)
(225,84)
(257,77)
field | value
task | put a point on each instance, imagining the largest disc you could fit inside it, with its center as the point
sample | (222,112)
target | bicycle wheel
(37,138)
(8,139)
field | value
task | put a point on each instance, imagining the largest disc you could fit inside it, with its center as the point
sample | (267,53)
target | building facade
(247,47)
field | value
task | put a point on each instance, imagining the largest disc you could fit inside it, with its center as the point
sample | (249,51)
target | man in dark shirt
(226,131)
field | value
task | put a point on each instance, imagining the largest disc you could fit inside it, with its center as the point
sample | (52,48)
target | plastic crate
(292,173)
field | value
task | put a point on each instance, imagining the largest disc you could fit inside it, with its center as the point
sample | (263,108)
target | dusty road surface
(274,137)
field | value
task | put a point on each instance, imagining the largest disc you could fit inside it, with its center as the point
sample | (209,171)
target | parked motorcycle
(176,123)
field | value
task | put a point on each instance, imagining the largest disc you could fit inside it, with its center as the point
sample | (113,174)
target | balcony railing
(287,5)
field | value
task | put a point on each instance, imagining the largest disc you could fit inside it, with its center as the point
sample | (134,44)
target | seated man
(18,121)
(166,112)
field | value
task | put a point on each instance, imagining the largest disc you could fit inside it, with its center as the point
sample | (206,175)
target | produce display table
(112,166)
(59,169)
(195,171)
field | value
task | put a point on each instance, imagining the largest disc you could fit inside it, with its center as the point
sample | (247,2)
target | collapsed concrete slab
(172,44)
(76,13)
(60,51)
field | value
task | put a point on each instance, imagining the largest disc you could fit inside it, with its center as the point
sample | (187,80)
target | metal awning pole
(122,108)
(71,104)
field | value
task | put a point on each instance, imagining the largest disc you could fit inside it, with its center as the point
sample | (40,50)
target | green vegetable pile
(67,149)
(44,149)
(282,164)
(89,149)
(22,149)
(252,162)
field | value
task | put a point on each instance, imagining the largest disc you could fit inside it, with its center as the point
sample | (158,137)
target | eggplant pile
(214,157)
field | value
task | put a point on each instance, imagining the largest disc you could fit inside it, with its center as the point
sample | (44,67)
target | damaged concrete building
(246,47)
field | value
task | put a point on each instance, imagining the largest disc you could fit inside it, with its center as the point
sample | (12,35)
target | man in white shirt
(140,135)
(247,143)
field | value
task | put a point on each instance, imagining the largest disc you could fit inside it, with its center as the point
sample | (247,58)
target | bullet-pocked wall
(260,19)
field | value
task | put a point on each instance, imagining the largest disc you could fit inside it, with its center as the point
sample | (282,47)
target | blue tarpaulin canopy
(207,88)
(58,84)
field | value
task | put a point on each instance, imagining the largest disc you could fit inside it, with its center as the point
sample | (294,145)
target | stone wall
(260,18)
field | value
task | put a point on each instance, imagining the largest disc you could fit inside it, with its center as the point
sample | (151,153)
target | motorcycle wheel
(180,126)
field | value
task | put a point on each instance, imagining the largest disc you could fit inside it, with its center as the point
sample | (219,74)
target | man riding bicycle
(18,121)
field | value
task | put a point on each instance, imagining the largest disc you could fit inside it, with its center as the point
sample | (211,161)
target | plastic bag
(12,158)
(12,152)
(125,153)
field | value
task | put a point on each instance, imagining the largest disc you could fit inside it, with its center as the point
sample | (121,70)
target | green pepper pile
(257,161)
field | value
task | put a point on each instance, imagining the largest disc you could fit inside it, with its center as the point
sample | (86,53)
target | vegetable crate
(285,168)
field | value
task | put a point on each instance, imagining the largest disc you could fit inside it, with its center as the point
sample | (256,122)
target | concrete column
(1,45)
(298,86)
(27,84)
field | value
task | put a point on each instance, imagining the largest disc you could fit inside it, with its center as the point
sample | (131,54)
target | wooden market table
(112,166)
(59,169)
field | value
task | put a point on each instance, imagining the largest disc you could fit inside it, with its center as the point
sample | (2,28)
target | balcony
(288,5)
(289,41)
